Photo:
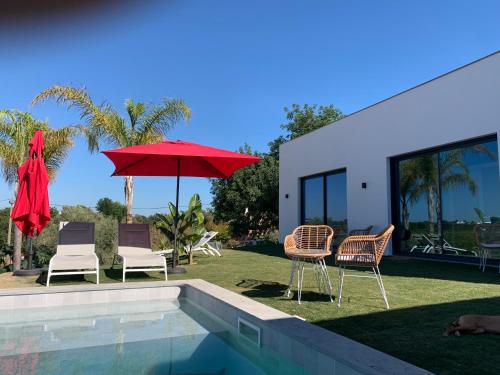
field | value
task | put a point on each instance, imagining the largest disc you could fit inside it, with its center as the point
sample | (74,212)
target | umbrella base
(31,272)
(176,270)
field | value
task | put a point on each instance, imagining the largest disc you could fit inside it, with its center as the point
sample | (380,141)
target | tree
(145,123)
(16,130)
(248,200)
(111,208)
(189,224)
(303,120)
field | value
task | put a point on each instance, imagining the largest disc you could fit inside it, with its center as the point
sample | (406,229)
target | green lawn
(424,297)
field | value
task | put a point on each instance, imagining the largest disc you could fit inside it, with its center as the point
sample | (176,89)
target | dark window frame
(395,199)
(324,176)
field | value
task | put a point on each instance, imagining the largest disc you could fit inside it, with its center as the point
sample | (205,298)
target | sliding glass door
(324,200)
(441,195)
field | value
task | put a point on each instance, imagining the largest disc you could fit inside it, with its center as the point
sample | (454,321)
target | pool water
(168,337)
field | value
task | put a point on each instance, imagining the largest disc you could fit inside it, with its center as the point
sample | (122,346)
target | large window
(441,195)
(324,200)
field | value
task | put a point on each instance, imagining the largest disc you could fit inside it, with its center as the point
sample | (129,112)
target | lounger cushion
(73,262)
(148,260)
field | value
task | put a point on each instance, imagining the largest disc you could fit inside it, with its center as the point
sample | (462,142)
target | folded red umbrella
(31,211)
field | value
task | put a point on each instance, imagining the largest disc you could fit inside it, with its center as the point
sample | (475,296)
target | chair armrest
(290,242)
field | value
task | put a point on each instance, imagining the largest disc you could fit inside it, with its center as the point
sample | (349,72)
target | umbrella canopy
(162,159)
(31,211)
(177,158)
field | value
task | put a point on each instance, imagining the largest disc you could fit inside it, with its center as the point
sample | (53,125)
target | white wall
(458,106)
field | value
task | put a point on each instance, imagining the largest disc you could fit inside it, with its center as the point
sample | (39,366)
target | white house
(425,159)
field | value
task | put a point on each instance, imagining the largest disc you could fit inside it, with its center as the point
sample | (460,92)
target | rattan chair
(487,239)
(310,243)
(363,251)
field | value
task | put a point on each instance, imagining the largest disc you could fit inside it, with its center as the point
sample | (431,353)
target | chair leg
(328,284)
(300,280)
(381,285)
(124,269)
(49,274)
(341,283)
(317,276)
(292,274)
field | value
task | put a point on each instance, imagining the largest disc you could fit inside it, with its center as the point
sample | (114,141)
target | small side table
(484,253)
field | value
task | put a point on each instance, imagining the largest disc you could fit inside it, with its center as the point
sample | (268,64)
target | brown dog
(474,324)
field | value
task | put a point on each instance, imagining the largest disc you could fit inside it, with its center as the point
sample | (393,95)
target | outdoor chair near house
(75,254)
(206,245)
(487,239)
(361,232)
(422,243)
(447,247)
(134,248)
(309,243)
(365,252)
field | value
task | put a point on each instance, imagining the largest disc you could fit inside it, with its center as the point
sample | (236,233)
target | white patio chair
(205,246)
(134,247)
(75,254)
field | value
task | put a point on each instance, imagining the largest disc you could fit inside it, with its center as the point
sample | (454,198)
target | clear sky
(236,64)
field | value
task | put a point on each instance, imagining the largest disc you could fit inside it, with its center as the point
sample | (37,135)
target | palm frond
(161,118)
(99,118)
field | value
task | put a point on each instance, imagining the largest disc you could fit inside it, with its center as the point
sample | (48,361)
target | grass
(424,297)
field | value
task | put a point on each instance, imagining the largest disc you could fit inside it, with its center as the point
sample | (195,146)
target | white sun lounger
(205,245)
(134,247)
(75,254)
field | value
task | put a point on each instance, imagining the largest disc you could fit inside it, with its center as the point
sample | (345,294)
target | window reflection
(444,195)
(324,200)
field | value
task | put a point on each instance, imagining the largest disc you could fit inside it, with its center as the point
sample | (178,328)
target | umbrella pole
(30,253)
(176,218)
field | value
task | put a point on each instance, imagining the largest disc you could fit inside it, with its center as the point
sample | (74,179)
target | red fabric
(161,159)
(31,212)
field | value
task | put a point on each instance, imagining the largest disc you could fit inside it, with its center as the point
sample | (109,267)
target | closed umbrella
(31,211)
(177,158)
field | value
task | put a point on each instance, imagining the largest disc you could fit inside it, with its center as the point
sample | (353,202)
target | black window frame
(324,176)
(395,204)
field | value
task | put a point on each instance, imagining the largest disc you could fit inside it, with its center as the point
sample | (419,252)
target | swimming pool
(189,327)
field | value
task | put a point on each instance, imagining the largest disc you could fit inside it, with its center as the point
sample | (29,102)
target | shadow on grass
(415,335)
(270,249)
(270,289)
(429,269)
(116,274)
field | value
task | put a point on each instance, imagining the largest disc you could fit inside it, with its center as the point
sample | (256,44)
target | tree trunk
(18,239)
(129,196)
(431,208)
(190,257)
(9,233)
(18,242)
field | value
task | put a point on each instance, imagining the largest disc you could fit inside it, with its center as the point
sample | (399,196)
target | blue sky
(237,64)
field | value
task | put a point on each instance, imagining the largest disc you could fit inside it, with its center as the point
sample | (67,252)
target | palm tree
(16,130)
(146,123)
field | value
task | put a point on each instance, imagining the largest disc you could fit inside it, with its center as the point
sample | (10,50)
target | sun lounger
(134,247)
(205,246)
(75,254)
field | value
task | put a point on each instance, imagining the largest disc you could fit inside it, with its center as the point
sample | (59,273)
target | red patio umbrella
(31,211)
(177,158)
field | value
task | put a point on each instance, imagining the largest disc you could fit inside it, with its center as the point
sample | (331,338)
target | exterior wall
(461,105)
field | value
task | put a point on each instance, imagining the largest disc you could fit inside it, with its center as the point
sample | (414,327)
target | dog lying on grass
(474,324)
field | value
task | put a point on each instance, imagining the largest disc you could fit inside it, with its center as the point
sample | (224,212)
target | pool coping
(323,341)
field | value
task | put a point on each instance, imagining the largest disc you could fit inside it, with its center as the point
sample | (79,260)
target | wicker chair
(310,243)
(487,239)
(363,251)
